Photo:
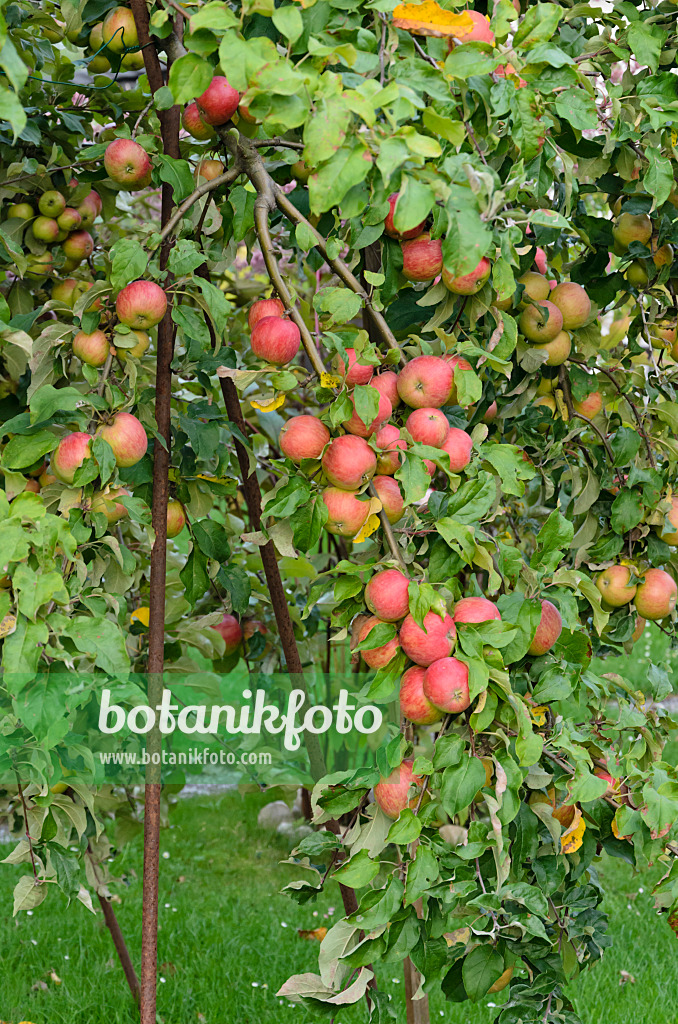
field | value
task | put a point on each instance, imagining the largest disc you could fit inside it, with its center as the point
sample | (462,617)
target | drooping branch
(227,178)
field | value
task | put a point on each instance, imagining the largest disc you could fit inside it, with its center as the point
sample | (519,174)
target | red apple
(358,373)
(346,512)
(422,258)
(426,381)
(89,209)
(540,260)
(445,684)
(389,445)
(656,595)
(219,102)
(91,349)
(468,284)
(549,629)
(387,384)
(143,341)
(355,425)
(194,124)
(414,705)
(176,519)
(589,406)
(69,455)
(458,445)
(475,609)
(78,246)
(275,340)
(128,163)
(142,304)
(428,426)
(392,793)
(436,640)
(264,308)
(127,438)
(491,413)
(389,227)
(379,656)
(70,219)
(390,496)
(230,630)
(303,437)
(32,486)
(386,595)
(349,462)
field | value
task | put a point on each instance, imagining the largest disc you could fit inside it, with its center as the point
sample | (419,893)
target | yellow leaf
(429,19)
(142,615)
(275,403)
(367,529)
(571,840)
(8,625)
(458,935)
(328,381)
(539,714)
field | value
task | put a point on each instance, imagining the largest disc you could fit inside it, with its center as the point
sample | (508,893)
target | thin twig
(641,428)
(227,178)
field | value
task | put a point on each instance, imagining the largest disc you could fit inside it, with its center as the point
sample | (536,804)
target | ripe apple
(389,444)
(656,596)
(664,333)
(426,381)
(670,536)
(176,519)
(662,256)
(458,445)
(454,362)
(392,793)
(128,163)
(379,656)
(346,512)
(631,227)
(127,438)
(194,124)
(143,341)
(541,323)
(358,373)
(229,628)
(264,308)
(275,340)
(573,302)
(355,425)
(51,204)
(536,287)
(436,640)
(219,102)
(613,584)
(389,226)
(119,30)
(91,349)
(414,705)
(390,496)
(557,350)
(208,170)
(45,229)
(33,486)
(78,246)
(481,31)
(349,462)
(445,684)
(475,609)
(428,426)
(22,211)
(504,70)
(69,455)
(549,629)
(69,220)
(303,437)
(468,284)
(540,261)
(589,406)
(141,304)
(386,595)
(387,384)
(89,209)
(422,258)
(104,502)
(252,626)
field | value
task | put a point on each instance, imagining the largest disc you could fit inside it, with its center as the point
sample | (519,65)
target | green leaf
(483,965)
(12,110)
(212,539)
(422,872)
(379,906)
(413,477)
(358,871)
(21,652)
(448,751)
(405,830)
(470,59)
(330,183)
(646,42)
(23,450)
(553,540)
(577,107)
(129,262)
(189,77)
(288,22)
(445,127)
(47,400)
(237,583)
(102,641)
(339,304)
(460,784)
(326,130)
(627,511)
(194,576)
(35,588)
(414,204)
(658,179)
(284,500)
(584,785)
(307,523)
(537,25)
(215,15)
(177,174)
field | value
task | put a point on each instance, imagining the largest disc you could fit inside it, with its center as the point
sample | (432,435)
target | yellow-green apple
(133,61)
(664,333)
(386,595)
(456,362)
(428,426)
(301,171)
(662,256)
(475,609)
(229,628)
(143,341)
(70,219)
(535,287)
(468,284)
(264,308)
(414,705)
(355,425)
(346,512)
(69,455)
(378,657)
(670,536)
(614,586)
(445,684)
(541,323)
(219,102)
(51,204)
(81,288)
(104,502)
(549,629)
(392,793)
(303,437)
(176,518)
(275,340)
(99,62)
(119,30)
(78,246)
(589,406)
(45,229)
(39,266)
(127,438)
(389,445)
(389,227)
(208,170)
(91,349)
(194,124)
(426,381)
(349,462)
(89,209)
(436,640)
(557,350)
(22,211)
(422,258)
(387,384)
(636,274)
(631,227)
(573,302)
(358,373)
(141,304)
(458,445)
(390,496)
(128,163)
(656,595)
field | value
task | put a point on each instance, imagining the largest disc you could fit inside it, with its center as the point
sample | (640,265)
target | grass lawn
(227,933)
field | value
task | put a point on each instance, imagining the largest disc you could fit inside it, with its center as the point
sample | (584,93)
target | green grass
(222,939)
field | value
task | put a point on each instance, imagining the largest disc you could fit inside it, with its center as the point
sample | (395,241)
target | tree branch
(641,428)
(227,178)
